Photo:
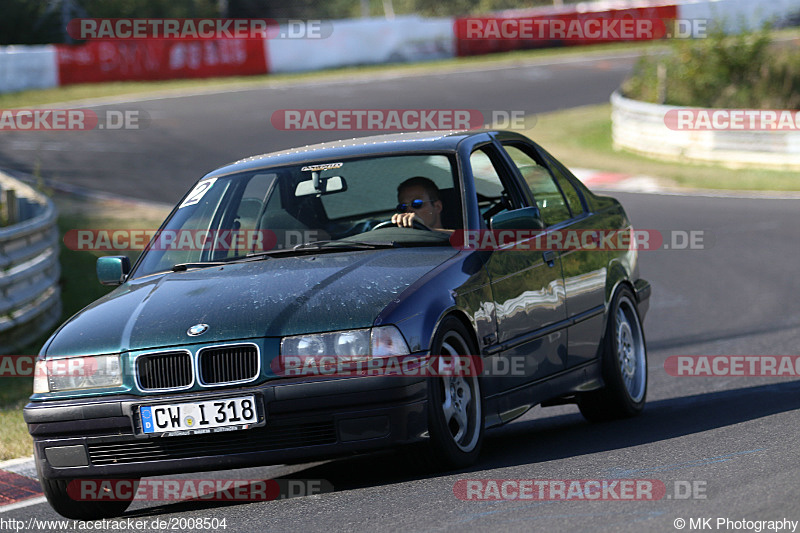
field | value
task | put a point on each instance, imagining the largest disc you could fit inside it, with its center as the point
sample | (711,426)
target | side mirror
(525,218)
(112,270)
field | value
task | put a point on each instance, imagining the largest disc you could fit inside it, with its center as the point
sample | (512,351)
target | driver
(418,199)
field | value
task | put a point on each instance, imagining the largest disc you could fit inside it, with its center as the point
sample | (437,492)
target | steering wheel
(417,224)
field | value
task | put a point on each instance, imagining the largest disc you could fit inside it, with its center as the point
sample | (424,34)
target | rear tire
(624,362)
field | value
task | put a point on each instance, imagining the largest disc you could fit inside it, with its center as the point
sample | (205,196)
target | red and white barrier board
(99,61)
(544,28)
(372,41)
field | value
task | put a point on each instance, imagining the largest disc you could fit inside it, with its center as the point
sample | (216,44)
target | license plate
(200,417)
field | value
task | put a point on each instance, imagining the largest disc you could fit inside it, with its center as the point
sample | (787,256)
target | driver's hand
(404,220)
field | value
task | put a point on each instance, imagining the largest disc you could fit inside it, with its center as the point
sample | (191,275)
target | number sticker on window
(198,192)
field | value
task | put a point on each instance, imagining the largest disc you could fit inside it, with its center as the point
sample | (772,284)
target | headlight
(72,373)
(351,345)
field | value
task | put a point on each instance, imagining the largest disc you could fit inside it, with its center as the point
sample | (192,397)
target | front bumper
(299,421)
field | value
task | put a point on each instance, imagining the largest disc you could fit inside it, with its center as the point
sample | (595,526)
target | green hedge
(746,70)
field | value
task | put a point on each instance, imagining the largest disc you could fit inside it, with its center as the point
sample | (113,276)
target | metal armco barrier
(30,298)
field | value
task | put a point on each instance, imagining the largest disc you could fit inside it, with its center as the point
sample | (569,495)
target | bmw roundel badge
(197,329)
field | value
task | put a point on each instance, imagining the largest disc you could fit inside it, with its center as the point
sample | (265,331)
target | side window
(493,195)
(252,202)
(487,180)
(573,198)
(548,196)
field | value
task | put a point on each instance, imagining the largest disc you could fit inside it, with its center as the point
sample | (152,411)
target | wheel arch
(616,279)
(462,316)
(616,276)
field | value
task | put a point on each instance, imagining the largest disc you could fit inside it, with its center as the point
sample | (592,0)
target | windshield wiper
(364,245)
(200,264)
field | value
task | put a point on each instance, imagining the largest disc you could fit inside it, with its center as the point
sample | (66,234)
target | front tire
(624,360)
(455,403)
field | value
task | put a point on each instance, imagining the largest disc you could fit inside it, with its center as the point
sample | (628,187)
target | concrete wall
(641,127)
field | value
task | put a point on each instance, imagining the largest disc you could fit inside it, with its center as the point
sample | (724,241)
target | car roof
(420,141)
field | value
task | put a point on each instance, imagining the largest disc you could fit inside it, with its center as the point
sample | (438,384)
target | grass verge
(79,287)
(581,138)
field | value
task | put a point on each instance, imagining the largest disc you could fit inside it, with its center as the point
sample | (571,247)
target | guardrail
(30,297)
(640,127)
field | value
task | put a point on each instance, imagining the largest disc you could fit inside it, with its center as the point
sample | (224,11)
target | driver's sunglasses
(415,204)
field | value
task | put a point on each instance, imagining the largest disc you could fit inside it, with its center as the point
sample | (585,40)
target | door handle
(549,257)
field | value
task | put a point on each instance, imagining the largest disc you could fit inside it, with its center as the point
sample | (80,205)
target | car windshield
(333,205)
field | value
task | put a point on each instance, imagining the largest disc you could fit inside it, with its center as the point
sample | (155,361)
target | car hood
(267,298)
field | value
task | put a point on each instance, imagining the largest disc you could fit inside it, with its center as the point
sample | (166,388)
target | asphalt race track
(184,138)
(732,440)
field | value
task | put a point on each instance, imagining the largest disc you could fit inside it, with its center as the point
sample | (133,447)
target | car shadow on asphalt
(530,442)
